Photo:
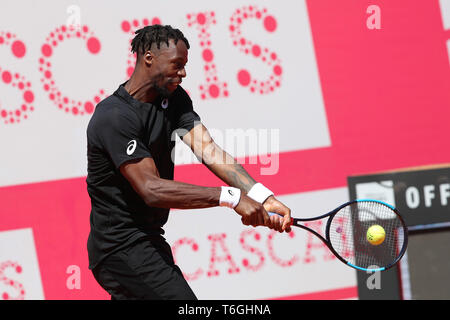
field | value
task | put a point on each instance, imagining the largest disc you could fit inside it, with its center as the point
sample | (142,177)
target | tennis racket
(347,234)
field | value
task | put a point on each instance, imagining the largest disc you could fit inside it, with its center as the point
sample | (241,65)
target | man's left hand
(282,220)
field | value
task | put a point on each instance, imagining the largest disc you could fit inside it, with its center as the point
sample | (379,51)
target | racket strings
(348,234)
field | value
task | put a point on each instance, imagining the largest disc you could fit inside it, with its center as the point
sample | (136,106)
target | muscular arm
(219,162)
(143,176)
(156,192)
(225,167)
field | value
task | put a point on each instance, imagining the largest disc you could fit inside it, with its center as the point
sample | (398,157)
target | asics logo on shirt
(165,104)
(131,147)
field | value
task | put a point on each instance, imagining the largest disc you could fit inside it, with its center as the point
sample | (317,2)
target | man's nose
(182,73)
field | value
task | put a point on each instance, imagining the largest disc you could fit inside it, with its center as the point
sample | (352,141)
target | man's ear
(148,57)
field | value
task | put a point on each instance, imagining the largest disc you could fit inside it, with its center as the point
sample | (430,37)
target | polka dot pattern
(190,243)
(313,243)
(17,286)
(260,256)
(273,256)
(219,239)
(248,47)
(213,88)
(130,26)
(16,80)
(61,100)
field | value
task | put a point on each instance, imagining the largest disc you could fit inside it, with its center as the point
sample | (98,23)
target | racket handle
(274,213)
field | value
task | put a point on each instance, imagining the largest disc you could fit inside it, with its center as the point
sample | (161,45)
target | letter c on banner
(194,246)
(47,49)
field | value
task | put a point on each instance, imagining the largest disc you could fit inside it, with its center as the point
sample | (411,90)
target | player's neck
(141,89)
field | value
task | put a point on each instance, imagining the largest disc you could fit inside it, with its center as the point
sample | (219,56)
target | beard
(163,91)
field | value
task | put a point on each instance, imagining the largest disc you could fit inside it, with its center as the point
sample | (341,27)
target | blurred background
(322,101)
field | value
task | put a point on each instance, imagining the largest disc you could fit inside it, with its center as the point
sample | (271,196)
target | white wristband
(259,193)
(230,197)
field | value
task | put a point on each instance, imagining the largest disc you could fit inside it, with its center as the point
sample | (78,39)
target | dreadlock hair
(157,34)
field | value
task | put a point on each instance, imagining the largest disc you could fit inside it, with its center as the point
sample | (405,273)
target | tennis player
(130,174)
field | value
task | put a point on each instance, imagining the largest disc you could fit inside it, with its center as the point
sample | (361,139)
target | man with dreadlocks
(130,174)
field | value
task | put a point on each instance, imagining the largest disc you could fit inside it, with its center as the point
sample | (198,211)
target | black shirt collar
(123,93)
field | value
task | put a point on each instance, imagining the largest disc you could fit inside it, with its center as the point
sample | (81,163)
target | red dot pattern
(313,243)
(274,257)
(213,88)
(219,239)
(130,27)
(194,247)
(16,80)
(246,262)
(248,47)
(18,48)
(62,101)
(18,287)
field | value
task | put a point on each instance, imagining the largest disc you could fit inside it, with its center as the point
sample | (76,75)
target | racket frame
(298,223)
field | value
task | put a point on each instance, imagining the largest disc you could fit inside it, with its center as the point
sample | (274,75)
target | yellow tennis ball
(376,235)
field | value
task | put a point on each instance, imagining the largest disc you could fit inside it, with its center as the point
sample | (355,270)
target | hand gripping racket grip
(273,213)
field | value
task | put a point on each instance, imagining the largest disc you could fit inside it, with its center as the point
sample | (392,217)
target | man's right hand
(253,213)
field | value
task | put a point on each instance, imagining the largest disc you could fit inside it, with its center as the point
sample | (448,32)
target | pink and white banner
(317,89)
